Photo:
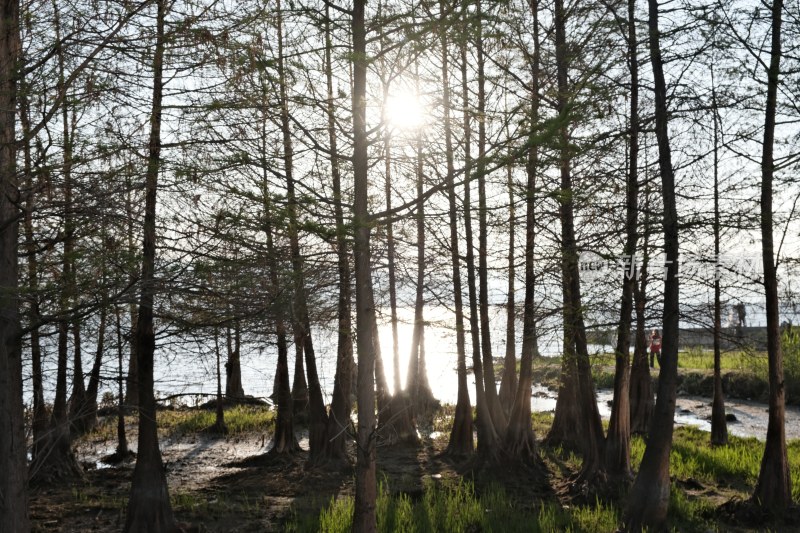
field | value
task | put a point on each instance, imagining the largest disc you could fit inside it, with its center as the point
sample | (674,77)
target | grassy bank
(703,479)
(744,372)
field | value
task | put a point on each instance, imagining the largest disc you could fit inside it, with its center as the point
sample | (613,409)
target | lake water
(187,367)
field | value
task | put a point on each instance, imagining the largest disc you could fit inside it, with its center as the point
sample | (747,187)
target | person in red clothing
(655,348)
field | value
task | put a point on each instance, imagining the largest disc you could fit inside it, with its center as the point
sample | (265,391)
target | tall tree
(577,420)
(341,402)
(284,440)
(488,438)
(122,439)
(649,498)
(149,508)
(490,387)
(774,487)
(640,390)
(508,382)
(13,475)
(719,426)
(59,460)
(461,442)
(418,387)
(520,440)
(301,324)
(40,415)
(395,411)
(618,441)
(364,517)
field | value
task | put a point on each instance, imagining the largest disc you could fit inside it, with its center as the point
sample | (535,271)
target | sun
(405,111)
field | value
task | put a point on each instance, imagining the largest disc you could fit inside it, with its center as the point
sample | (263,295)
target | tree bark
(508,383)
(417,387)
(284,440)
(90,411)
(461,443)
(649,498)
(719,426)
(13,474)
(219,422)
(299,385)
(131,386)
(364,517)
(487,434)
(341,402)
(774,488)
(233,367)
(58,461)
(40,415)
(122,440)
(391,257)
(317,415)
(617,462)
(577,419)
(490,387)
(641,386)
(149,508)
(520,439)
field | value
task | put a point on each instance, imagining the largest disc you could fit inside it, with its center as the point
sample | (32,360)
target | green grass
(739,361)
(450,505)
(733,469)
(453,507)
(239,419)
(700,359)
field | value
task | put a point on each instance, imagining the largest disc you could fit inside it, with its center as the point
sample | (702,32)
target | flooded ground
(751,417)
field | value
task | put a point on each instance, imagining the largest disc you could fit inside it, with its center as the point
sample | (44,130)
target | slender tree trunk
(219,422)
(77,400)
(641,386)
(284,441)
(132,385)
(57,461)
(149,508)
(233,367)
(649,497)
(341,402)
(774,488)
(520,440)
(317,415)
(487,434)
(461,443)
(13,474)
(719,426)
(391,255)
(508,383)
(40,415)
(395,416)
(90,411)
(94,376)
(490,387)
(618,441)
(417,387)
(577,419)
(122,440)
(299,385)
(364,517)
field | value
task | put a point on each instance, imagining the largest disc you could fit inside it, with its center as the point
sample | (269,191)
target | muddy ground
(223,484)
(228,484)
